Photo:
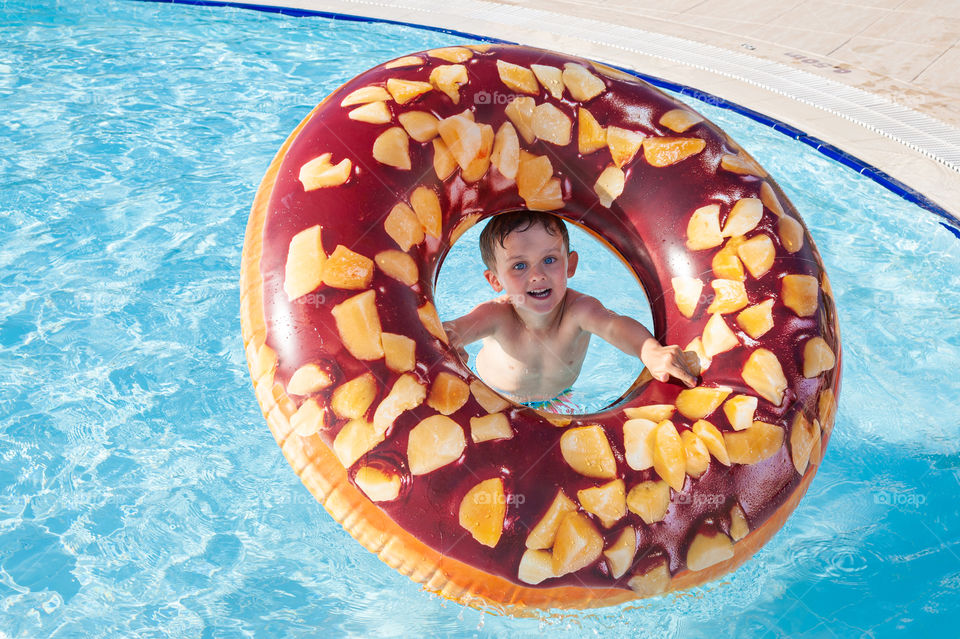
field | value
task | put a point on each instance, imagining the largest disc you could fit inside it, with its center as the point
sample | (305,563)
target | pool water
(142,493)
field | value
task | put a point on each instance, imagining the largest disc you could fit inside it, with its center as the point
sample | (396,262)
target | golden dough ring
(481,500)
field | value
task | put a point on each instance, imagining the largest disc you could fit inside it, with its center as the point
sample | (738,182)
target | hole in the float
(607,373)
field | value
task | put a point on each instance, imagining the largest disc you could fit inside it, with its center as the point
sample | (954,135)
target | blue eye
(550,260)
(519,266)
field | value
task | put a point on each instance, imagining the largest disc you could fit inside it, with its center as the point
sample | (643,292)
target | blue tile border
(948,221)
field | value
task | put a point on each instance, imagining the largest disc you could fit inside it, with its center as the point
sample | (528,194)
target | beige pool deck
(876,79)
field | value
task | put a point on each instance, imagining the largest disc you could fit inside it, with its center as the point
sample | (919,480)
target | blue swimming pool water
(142,494)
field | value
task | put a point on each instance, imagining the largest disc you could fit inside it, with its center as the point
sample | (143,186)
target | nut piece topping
(763,373)
(703,229)
(817,357)
(405,61)
(426,205)
(757,254)
(552,125)
(679,120)
(686,294)
(404,91)
(353,398)
(729,296)
(452,54)
(399,352)
(320,172)
(392,148)
(355,439)
(348,270)
(713,440)
(609,185)
(506,151)
(717,337)
(520,112)
(545,532)
(770,199)
(739,410)
(608,502)
(448,78)
(478,167)
(373,113)
(697,454)
(803,434)
(307,379)
(535,566)
(649,500)
(364,95)
(551,78)
(756,320)
(669,459)
(638,442)
(482,511)
(448,393)
(623,144)
(431,322)
(654,412)
(376,484)
(434,443)
(358,324)
(653,581)
(707,550)
(700,402)
(742,164)
(590,135)
(398,265)
(443,163)
(739,528)
(754,444)
(743,218)
(487,398)
(518,78)
(726,263)
(403,226)
(490,427)
(533,173)
(305,259)
(308,419)
(587,451)
(578,544)
(581,84)
(800,294)
(463,137)
(420,125)
(660,152)
(620,553)
(791,234)
(407,393)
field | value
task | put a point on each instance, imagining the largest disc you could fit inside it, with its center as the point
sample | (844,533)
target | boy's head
(528,256)
(500,226)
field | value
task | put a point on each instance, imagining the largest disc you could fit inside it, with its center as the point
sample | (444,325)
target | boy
(535,336)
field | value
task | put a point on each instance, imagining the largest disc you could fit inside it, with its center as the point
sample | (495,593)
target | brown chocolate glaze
(646,225)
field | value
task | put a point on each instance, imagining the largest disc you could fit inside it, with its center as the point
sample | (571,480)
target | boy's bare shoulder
(586,309)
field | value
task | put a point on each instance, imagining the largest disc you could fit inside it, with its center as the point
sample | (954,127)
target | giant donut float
(479,499)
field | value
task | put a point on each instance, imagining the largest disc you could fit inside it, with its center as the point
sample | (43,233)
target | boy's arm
(633,338)
(474,326)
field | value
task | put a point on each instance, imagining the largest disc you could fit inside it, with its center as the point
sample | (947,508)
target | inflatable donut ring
(481,500)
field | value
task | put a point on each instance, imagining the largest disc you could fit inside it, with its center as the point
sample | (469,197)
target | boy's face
(532,267)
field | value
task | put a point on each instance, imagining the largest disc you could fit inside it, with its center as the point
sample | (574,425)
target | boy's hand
(664,362)
(455,342)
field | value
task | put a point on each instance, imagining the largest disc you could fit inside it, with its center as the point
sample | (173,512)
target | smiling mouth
(540,294)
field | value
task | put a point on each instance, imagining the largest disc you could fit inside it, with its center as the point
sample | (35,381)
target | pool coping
(864,132)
